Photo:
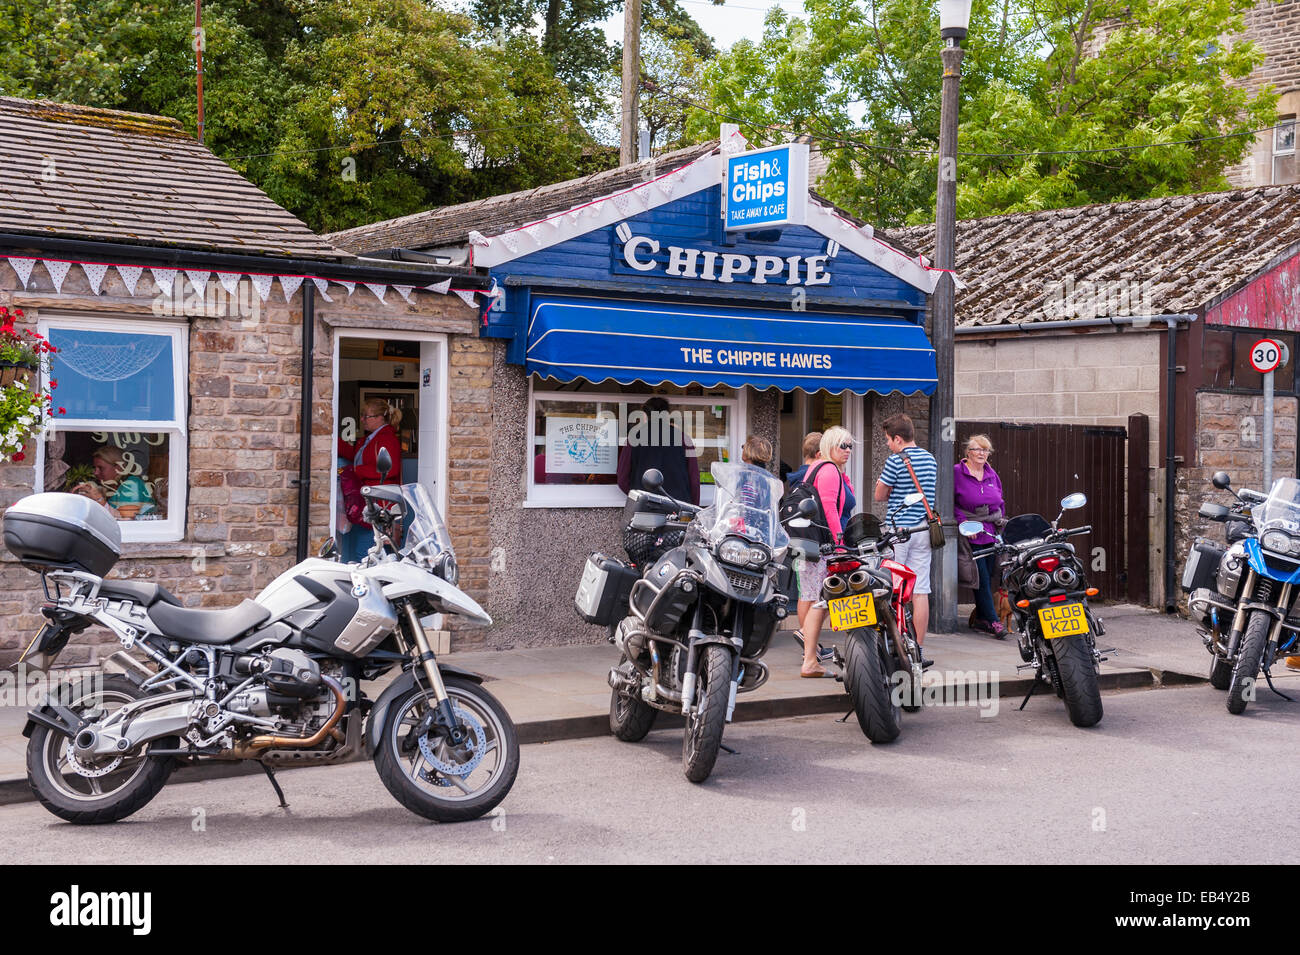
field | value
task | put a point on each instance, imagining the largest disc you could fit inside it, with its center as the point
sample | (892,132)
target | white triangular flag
(262,283)
(478,238)
(666,186)
(466,297)
(58,272)
(557,222)
(440,287)
(350,286)
(23,267)
(289,285)
(510,241)
(622,203)
(573,214)
(163,278)
(645,195)
(321,286)
(230,282)
(130,276)
(405,292)
(534,232)
(199,279)
(95,273)
(379,289)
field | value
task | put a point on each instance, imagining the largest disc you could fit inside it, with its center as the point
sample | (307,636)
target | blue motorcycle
(1242,594)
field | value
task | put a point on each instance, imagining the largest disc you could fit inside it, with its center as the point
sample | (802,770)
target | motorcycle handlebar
(1074,532)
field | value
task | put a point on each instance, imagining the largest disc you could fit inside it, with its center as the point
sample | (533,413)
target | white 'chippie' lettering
(726,267)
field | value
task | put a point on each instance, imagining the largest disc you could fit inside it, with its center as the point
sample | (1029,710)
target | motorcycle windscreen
(1025,527)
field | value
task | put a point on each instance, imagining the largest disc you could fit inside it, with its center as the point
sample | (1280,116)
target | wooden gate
(1041,463)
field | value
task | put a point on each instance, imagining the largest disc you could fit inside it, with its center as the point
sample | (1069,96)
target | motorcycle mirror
(1073,501)
(1221,480)
(328,550)
(807,508)
(970,528)
(653,480)
(384,462)
(916,497)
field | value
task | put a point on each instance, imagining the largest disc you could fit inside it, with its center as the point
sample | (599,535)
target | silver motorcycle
(276,679)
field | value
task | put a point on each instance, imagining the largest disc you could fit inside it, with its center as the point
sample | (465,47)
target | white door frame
(442,399)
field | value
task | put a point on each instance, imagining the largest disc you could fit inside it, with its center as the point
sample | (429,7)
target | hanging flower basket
(25,406)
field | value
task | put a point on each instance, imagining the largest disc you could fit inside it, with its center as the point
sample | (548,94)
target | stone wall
(244,412)
(1275,29)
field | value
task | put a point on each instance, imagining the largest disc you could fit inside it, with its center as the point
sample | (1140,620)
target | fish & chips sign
(767,187)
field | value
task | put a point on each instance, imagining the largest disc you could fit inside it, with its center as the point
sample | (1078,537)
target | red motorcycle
(869,600)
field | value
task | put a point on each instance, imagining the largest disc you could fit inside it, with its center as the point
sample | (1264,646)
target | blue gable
(680,250)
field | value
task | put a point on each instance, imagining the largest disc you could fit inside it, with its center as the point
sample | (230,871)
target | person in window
(658,443)
(127,493)
(379,425)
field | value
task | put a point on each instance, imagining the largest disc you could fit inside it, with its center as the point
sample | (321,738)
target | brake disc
(92,772)
(477,747)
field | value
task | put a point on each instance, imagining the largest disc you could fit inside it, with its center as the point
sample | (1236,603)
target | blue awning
(684,344)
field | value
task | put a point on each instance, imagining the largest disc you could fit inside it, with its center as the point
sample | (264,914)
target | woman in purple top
(977,495)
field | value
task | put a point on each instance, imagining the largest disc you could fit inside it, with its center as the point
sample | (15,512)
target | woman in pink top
(830,483)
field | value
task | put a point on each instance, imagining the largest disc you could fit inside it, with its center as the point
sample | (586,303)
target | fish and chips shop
(710,277)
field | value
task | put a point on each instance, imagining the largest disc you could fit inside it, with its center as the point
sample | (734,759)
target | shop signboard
(581,445)
(766,187)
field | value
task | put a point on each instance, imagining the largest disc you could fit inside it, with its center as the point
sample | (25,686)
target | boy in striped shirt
(894,485)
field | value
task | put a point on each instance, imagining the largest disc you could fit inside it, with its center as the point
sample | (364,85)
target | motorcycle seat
(138,592)
(213,627)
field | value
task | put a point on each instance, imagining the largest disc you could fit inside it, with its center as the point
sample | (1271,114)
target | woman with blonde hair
(379,423)
(977,495)
(830,485)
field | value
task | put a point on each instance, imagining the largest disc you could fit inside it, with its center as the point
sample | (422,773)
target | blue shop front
(751,305)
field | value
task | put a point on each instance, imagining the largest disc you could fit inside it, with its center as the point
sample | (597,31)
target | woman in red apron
(379,423)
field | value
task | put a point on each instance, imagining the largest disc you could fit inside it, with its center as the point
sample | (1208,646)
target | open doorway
(802,413)
(403,372)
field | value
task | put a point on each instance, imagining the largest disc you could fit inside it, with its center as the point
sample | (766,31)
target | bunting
(95,273)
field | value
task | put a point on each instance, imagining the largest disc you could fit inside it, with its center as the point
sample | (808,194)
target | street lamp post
(954,20)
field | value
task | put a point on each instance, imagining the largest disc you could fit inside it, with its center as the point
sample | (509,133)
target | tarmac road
(1166,777)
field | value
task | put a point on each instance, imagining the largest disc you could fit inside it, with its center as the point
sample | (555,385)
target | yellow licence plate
(1063,620)
(849,613)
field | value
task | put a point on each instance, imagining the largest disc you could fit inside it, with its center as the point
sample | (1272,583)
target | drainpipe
(304,427)
(1171,321)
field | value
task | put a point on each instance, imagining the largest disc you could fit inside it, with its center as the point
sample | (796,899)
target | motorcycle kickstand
(270,774)
(1269,677)
(1032,686)
(727,749)
(845,717)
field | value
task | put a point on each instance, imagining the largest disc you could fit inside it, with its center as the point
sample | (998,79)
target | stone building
(180,296)
(1275,28)
(1067,321)
(627,284)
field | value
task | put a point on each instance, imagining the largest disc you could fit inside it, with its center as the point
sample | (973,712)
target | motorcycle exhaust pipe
(834,585)
(858,580)
(259,743)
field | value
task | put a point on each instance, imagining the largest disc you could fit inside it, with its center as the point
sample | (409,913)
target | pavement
(559,693)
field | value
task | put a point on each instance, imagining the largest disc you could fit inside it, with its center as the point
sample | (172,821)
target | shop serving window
(121,440)
(580,430)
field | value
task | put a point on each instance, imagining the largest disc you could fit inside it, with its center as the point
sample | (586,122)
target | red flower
(18,312)
(54,382)
(19,456)
(63,411)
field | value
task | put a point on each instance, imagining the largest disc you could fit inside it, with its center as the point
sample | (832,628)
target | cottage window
(122,438)
(1284,154)
(578,431)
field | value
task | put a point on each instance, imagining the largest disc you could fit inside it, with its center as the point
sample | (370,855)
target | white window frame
(173,528)
(609,495)
(1276,154)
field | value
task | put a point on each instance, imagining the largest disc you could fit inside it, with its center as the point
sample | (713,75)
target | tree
(865,80)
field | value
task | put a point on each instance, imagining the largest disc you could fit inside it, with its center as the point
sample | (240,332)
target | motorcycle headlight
(447,569)
(758,555)
(1280,542)
(734,551)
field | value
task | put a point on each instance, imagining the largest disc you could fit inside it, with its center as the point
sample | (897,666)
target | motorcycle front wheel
(435,778)
(704,725)
(1078,675)
(867,679)
(89,792)
(1241,685)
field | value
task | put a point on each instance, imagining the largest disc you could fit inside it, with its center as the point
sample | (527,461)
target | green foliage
(343,111)
(868,75)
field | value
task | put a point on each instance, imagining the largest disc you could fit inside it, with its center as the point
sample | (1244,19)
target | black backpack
(804,490)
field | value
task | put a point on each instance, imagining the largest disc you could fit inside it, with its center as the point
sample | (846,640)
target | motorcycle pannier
(57,531)
(604,588)
(1202,565)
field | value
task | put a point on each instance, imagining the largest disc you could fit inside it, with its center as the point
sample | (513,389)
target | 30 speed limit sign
(1265,355)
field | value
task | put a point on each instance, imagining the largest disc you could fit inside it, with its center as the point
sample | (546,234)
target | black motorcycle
(1243,595)
(1055,627)
(692,627)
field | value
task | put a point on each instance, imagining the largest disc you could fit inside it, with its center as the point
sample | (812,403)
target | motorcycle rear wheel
(703,737)
(867,679)
(1078,675)
(1241,686)
(124,785)
(430,792)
